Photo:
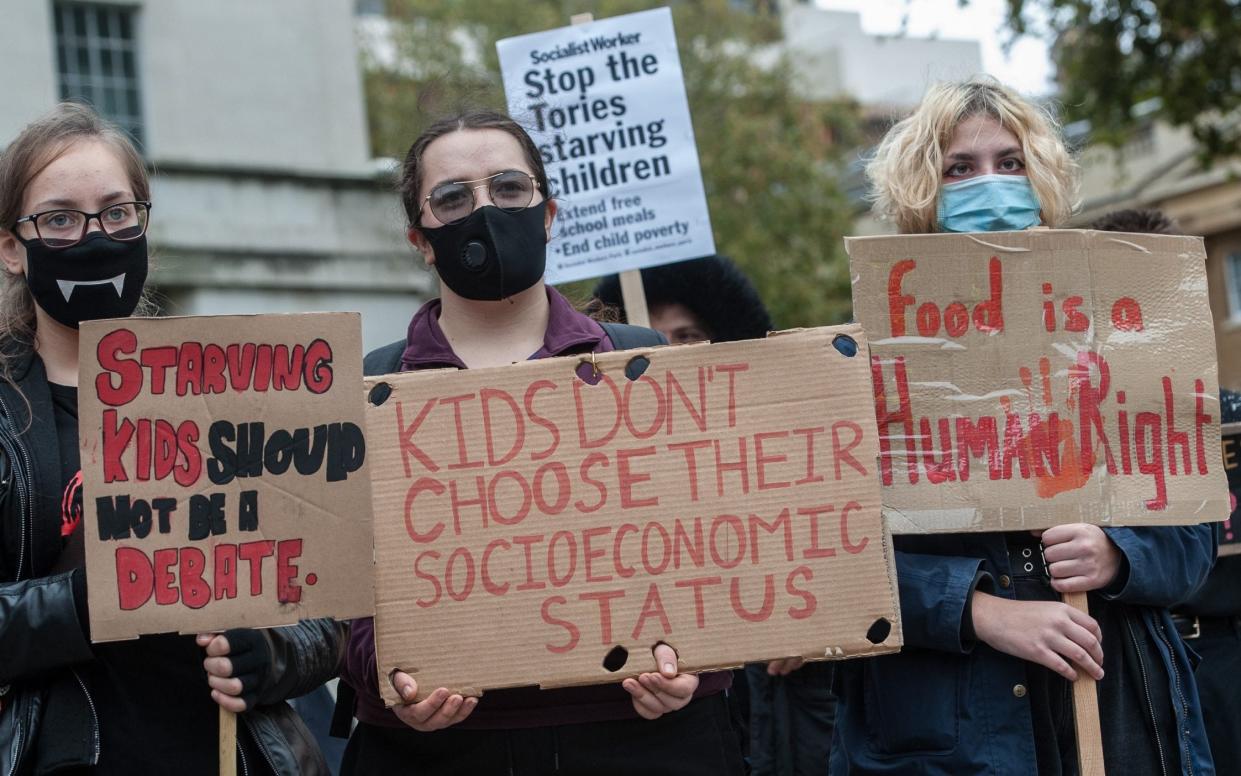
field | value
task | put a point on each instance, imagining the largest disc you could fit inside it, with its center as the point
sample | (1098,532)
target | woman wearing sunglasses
(74,208)
(476,196)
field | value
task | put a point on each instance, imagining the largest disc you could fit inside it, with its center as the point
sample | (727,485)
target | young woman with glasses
(74,209)
(982,683)
(476,196)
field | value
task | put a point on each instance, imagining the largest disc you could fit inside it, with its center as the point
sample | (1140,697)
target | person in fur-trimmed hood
(696,300)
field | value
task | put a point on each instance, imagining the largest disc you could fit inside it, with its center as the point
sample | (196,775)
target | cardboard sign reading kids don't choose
(1028,379)
(222,470)
(550,522)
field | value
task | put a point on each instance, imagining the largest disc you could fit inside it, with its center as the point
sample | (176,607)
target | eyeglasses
(124,222)
(511,191)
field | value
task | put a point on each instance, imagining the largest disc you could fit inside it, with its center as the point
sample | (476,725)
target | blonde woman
(983,683)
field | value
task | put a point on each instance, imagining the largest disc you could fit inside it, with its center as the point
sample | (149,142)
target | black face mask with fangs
(492,254)
(97,278)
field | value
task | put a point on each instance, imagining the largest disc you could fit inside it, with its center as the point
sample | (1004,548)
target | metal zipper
(12,444)
(21,477)
(16,751)
(1180,695)
(262,749)
(245,768)
(94,714)
(1150,704)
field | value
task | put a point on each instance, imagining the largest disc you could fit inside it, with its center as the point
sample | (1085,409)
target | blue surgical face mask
(988,203)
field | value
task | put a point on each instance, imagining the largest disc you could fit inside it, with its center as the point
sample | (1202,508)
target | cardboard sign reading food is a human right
(1028,379)
(550,522)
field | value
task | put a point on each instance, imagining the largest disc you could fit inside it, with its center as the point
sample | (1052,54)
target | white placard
(605,103)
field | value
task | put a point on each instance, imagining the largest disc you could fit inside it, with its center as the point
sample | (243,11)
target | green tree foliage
(770,160)
(1113,54)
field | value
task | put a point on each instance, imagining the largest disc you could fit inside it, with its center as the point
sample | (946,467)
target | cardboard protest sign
(222,472)
(605,103)
(1230,442)
(1028,379)
(546,523)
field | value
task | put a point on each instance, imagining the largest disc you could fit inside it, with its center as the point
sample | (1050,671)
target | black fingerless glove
(251,654)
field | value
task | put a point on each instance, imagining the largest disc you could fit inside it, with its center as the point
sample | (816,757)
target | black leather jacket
(42,641)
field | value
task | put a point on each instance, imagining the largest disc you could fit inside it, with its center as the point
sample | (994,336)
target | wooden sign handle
(1086,709)
(228,742)
(633,295)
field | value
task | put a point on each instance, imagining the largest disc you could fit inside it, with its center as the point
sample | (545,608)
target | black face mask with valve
(492,254)
(97,278)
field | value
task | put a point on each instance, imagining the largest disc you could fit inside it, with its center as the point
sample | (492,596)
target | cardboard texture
(1028,379)
(528,522)
(1230,537)
(222,472)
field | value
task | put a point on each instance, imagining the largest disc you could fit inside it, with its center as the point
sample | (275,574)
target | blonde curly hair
(907,168)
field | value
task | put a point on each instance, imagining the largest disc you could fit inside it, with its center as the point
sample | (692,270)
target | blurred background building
(252,116)
(1160,168)
(268,198)
(834,57)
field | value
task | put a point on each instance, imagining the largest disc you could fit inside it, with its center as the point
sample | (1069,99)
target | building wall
(1227,320)
(265,195)
(272,84)
(28,62)
(834,57)
(1160,170)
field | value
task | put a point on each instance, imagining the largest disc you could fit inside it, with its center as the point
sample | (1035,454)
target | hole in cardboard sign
(879,631)
(379,394)
(636,366)
(846,345)
(588,373)
(616,658)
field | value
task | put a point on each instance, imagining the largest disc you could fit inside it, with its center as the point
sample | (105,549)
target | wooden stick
(1086,709)
(228,742)
(633,295)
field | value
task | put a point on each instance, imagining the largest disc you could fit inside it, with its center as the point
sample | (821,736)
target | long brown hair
(39,144)
(411,169)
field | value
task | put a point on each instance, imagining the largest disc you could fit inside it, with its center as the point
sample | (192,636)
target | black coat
(43,632)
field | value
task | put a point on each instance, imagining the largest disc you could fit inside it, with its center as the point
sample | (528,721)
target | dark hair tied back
(411,168)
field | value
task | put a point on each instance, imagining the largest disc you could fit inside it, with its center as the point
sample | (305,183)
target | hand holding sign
(236,669)
(1049,633)
(657,693)
(1080,558)
(439,710)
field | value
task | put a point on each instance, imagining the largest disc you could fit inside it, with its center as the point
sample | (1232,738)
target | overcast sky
(1026,67)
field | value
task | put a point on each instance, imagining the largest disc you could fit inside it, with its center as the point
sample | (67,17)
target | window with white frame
(1232,284)
(97,59)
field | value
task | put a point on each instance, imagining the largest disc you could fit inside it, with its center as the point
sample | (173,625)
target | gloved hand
(239,666)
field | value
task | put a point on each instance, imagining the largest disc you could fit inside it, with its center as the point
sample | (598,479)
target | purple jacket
(568,332)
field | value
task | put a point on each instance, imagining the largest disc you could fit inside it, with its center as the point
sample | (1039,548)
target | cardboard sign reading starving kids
(550,522)
(605,103)
(222,472)
(1028,379)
